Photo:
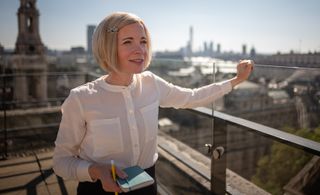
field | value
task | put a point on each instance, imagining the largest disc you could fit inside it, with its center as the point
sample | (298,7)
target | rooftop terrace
(257,142)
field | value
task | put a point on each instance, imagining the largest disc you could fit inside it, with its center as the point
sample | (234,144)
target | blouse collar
(117,88)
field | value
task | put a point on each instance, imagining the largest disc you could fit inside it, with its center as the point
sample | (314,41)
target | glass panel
(194,130)
(282,97)
(278,96)
(185,73)
(190,128)
(188,132)
(30,109)
(256,164)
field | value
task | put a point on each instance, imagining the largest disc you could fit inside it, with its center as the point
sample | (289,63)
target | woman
(116,116)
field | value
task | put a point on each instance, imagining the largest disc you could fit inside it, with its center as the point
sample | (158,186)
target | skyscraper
(90,31)
(191,39)
(244,49)
(218,48)
(189,46)
(211,48)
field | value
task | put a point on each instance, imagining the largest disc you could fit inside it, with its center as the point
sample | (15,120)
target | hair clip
(112,29)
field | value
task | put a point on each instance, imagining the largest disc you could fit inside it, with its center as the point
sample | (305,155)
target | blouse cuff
(226,86)
(83,171)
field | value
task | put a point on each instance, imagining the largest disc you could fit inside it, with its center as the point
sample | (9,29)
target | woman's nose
(139,48)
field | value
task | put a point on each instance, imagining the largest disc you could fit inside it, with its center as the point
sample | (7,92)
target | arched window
(32,49)
(29,5)
(30,24)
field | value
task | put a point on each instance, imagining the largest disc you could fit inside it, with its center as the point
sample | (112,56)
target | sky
(267,25)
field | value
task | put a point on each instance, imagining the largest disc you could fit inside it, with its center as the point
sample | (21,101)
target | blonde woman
(116,116)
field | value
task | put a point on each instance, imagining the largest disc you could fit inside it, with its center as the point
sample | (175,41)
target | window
(30,24)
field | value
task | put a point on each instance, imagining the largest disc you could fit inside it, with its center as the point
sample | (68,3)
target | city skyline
(269,27)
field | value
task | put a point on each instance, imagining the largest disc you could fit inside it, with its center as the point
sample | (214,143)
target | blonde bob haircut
(104,40)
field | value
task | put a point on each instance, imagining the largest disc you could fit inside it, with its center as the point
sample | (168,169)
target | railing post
(219,162)
(4,154)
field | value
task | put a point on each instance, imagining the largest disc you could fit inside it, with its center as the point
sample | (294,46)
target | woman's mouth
(137,61)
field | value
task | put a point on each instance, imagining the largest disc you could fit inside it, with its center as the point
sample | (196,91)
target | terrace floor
(32,175)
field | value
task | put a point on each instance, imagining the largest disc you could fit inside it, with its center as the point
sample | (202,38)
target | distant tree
(284,162)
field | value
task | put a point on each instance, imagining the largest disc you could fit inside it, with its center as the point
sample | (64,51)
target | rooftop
(259,138)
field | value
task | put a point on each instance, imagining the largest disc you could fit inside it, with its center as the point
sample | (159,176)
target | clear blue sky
(268,25)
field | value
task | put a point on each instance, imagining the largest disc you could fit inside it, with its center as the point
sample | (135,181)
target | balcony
(262,138)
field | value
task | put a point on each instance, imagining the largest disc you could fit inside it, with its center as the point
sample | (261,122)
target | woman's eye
(144,41)
(126,42)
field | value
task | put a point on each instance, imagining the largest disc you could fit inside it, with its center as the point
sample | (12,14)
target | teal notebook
(137,178)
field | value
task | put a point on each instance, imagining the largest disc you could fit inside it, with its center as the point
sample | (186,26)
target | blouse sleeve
(179,97)
(71,132)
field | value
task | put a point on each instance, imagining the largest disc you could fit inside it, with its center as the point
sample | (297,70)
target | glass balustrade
(256,139)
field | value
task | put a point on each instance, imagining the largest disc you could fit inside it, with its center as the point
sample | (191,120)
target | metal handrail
(43,74)
(275,134)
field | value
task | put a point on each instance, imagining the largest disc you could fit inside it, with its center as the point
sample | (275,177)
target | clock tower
(28,41)
(28,61)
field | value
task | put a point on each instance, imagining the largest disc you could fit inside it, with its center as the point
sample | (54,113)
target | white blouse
(102,122)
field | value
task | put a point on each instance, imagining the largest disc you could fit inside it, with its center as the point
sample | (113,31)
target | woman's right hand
(244,69)
(104,174)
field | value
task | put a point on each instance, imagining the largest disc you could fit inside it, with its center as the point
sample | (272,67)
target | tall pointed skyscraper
(191,39)
(189,47)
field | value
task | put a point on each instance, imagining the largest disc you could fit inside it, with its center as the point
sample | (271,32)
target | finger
(252,64)
(248,61)
(112,189)
(115,187)
(109,185)
(248,64)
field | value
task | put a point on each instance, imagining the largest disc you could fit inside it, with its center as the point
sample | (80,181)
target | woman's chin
(138,71)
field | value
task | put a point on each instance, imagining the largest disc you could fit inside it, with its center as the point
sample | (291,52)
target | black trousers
(89,188)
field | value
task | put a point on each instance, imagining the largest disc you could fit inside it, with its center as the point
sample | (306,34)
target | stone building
(28,62)
(291,59)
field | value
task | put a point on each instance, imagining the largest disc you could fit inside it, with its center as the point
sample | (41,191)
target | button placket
(133,126)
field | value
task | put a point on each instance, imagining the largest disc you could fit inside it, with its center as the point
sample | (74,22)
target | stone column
(20,88)
(42,87)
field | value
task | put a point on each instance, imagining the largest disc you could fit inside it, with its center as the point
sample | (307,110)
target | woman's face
(132,48)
